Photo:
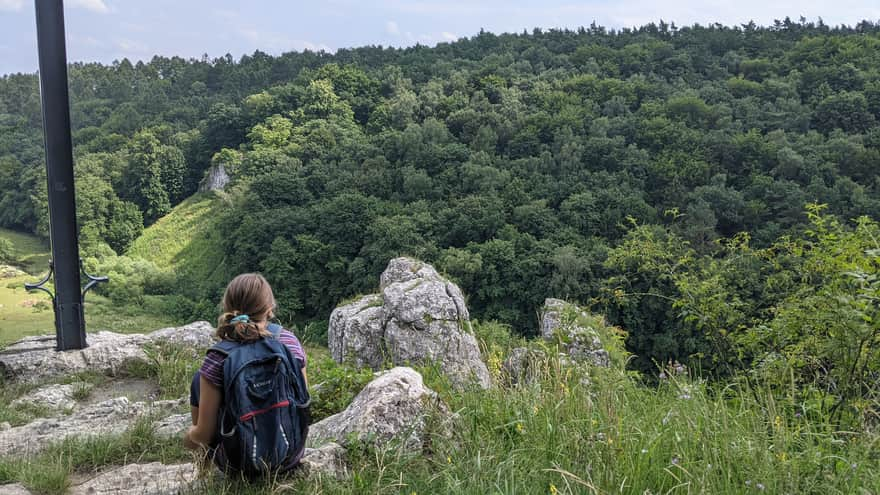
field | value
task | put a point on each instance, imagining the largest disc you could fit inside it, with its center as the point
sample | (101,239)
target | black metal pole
(70,329)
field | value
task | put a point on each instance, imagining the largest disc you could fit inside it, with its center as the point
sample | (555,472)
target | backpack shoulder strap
(224,347)
(275,329)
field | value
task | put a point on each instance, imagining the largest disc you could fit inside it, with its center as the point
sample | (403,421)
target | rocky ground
(395,402)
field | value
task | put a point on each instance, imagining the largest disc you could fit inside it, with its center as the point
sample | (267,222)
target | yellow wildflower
(553,490)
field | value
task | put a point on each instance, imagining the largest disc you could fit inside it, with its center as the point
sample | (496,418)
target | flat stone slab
(106,418)
(34,358)
(14,489)
(140,479)
(56,398)
(172,426)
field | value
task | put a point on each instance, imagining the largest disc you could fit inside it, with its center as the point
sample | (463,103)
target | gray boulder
(327,460)
(559,323)
(420,318)
(522,365)
(395,405)
(356,332)
(551,317)
(198,335)
(140,479)
(110,417)
(33,359)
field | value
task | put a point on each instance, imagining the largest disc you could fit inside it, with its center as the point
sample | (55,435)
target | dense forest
(698,185)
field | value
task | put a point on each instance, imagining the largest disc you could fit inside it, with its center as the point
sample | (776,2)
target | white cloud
(93,5)
(12,5)
(132,46)
(446,35)
(392,28)
(273,42)
(85,40)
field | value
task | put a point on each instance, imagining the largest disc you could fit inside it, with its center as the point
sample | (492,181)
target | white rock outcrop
(33,359)
(216,179)
(419,318)
(14,489)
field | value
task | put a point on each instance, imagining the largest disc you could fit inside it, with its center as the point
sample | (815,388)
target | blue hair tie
(241,319)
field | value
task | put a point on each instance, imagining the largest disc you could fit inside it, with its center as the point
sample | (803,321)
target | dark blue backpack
(264,417)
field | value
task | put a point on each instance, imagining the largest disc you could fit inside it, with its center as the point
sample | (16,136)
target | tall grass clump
(562,433)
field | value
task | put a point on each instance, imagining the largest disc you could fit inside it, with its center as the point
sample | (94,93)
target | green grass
(23,314)
(20,315)
(32,252)
(185,241)
(555,435)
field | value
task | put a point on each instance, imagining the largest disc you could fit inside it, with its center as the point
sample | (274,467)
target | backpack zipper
(284,436)
(254,453)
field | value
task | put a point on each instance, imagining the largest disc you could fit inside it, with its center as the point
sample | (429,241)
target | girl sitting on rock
(249,398)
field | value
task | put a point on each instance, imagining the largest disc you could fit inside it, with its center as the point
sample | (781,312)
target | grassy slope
(32,252)
(185,241)
(19,312)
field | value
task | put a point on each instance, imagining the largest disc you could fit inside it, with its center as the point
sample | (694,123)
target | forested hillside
(661,176)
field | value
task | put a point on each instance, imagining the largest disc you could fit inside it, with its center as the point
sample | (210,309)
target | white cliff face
(216,179)
(419,318)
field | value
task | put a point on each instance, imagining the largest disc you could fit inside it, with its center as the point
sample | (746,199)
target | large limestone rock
(559,322)
(420,318)
(395,405)
(356,332)
(140,479)
(110,417)
(34,358)
(551,317)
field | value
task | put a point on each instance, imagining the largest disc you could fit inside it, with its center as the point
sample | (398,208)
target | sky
(108,30)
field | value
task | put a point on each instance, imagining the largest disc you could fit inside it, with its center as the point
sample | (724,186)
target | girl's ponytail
(239,327)
(247,303)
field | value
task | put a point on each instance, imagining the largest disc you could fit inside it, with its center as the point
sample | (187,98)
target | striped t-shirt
(212,367)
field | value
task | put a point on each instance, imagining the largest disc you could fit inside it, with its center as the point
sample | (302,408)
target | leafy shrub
(7,252)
